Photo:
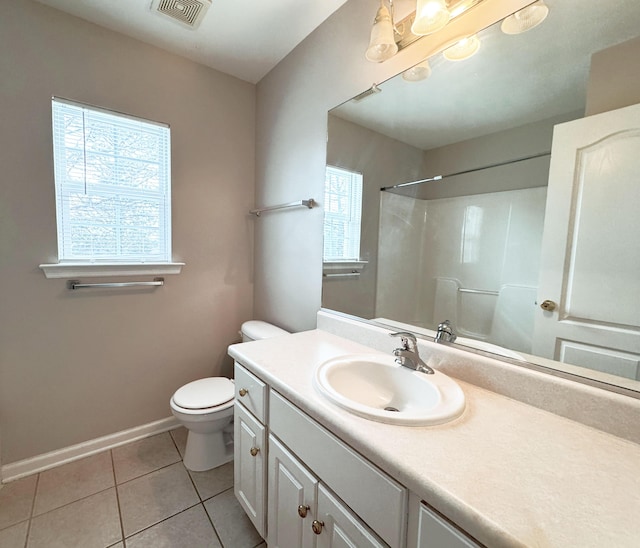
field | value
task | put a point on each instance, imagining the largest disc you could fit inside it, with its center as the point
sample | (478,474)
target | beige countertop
(508,473)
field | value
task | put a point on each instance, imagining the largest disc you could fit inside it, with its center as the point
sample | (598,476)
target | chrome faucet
(407,355)
(445,332)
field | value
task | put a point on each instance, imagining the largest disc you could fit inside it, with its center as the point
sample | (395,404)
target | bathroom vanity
(504,473)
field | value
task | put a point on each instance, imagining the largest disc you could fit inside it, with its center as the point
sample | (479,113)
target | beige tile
(188,529)
(14,536)
(213,482)
(179,436)
(73,481)
(149,499)
(144,456)
(92,521)
(231,523)
(118,545)
(16,500)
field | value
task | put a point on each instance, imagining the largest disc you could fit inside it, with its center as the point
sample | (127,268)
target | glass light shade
(421,71)
(431,16)
(382,45)
(463,49)
(525,19)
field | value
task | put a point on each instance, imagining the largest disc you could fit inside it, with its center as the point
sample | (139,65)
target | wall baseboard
(20,469)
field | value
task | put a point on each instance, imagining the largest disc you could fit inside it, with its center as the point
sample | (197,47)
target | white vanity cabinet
(301,486)
(302,512)
(352,494)
(250,447)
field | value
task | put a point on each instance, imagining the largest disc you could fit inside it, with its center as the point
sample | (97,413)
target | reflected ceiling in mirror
(486,124)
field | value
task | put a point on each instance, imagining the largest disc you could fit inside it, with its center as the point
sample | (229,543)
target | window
(343,212)
(113,186)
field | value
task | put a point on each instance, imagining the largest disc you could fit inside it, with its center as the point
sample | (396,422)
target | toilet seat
(205,393)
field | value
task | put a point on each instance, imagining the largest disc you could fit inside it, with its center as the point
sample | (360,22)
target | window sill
(73,270)
(329,267)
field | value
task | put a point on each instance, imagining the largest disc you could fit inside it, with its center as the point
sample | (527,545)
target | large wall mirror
(463,214)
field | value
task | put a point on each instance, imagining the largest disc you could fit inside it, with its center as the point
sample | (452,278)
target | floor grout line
(148,473)
(163,520)
(113,472)
(33,506)
(215,531)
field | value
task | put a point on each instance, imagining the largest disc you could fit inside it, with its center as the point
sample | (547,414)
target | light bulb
(463,49)
(525,19)
(421,71)
(431,16)
(382,45)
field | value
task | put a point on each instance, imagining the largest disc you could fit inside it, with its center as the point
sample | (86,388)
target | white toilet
(205,408)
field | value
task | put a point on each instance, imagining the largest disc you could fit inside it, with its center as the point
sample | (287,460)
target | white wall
(74,367)
(326,69)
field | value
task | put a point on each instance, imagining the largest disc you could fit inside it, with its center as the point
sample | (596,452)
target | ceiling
(511,81)
(244,38)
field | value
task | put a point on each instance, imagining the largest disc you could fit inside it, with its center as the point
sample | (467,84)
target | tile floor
(136,496)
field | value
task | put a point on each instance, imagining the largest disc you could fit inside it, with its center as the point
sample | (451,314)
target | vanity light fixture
(382,45)
(418,72)
(525,19)
(389,36)
(431,16)
(464,49)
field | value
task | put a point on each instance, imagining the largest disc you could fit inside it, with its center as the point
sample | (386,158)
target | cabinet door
(337,527)
(249,467)
(435,532)
(291,499)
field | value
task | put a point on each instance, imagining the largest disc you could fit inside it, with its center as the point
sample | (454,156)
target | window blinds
(112,180)
(343,212)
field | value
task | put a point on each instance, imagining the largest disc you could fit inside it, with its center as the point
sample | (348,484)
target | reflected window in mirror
(343,214)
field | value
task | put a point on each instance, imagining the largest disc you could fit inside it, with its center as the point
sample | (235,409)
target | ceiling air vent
(187,12)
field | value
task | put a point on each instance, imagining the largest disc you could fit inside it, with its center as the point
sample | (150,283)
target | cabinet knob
(302,510)
(316,526)
(254,451)
(243,392)
(548,305)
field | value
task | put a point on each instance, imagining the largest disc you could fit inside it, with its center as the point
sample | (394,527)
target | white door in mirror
(373,386)
(590,265)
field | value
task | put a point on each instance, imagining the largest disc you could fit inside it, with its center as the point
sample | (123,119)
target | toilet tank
(255,330)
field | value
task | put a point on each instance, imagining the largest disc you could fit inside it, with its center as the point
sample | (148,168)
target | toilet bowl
(205,408)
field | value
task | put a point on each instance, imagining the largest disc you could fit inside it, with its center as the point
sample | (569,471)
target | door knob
(243,392)
(548,305)
(316,526)
(254,451)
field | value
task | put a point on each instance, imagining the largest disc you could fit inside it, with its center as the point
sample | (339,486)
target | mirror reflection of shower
(473,259)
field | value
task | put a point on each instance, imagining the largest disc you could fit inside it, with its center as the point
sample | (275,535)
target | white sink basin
(375,387)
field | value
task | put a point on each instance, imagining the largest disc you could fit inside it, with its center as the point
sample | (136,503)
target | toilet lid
(203,393)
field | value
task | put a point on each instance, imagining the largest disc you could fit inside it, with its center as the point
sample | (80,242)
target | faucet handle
(408,340)
(444,326)
(445,332)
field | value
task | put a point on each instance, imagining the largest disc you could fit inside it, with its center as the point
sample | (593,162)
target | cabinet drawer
(378,499)
(251,392)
